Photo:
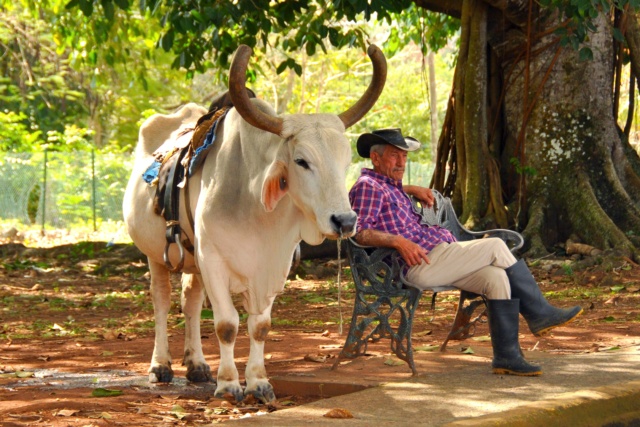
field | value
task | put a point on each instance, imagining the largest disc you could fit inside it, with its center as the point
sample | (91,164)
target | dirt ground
(76,336)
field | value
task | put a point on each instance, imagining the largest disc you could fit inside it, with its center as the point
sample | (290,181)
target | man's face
(391,163)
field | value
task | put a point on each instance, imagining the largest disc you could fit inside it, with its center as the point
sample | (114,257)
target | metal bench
(385,301)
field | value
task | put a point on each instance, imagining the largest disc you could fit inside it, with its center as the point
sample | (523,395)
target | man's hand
(425,195)
(412,253)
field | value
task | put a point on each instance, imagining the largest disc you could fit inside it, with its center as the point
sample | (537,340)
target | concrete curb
(617,405)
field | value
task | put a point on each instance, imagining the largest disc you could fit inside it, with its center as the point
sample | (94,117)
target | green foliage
(522,169)
(579,16)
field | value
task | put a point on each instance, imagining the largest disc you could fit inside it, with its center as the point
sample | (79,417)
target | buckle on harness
(173,237)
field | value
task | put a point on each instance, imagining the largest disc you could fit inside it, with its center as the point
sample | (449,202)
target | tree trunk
(433,102)
(535,131)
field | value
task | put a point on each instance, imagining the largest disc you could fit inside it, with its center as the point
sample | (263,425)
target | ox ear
(275,185)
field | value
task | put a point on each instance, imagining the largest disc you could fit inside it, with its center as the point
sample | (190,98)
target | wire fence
(63,190)
(54,190)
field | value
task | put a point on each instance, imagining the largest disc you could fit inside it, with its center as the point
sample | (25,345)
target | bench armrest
(443,215)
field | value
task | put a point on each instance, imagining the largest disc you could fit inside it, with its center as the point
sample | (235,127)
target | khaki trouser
(476,266)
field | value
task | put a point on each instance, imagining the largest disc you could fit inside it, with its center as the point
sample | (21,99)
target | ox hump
(160,127)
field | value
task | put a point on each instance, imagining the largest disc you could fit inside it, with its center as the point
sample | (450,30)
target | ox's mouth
(343,225)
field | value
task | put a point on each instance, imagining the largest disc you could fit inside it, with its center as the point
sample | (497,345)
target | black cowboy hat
(385,136)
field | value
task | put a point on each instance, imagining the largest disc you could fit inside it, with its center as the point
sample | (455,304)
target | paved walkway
(591,389)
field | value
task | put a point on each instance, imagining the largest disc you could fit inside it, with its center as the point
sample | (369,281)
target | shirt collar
(375,175)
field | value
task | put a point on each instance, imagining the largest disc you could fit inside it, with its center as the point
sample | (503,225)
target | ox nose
(344,223)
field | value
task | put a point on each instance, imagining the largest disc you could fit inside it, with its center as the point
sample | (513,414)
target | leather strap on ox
(171,212)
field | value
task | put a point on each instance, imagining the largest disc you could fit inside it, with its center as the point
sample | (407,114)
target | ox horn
(364,104)
(240,99)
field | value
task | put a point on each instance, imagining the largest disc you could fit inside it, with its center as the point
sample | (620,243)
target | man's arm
(425,195)
(411,252)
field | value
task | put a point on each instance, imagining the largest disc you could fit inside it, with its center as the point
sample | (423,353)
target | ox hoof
(199,373)
(160,374)
(228,388)
(263,392)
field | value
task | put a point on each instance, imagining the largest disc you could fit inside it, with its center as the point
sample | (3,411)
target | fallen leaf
(105,415)
(320,358)
(617,288)
(109,335)
(105,392)
(483,338)
(467,350)
(287,403)
(24,374)
(338,413)
(427,348)
(422,333)
(613,300)
(178,411)
(44,358)
(66,413)
(633,288)
(393,362)
(107,353)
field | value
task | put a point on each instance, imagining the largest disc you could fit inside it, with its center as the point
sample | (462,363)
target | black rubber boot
(534,307)
(503,324)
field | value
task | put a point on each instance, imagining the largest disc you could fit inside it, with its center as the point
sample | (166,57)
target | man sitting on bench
(434,257)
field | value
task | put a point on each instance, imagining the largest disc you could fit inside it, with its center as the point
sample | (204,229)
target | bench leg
(463,322)
(381,312)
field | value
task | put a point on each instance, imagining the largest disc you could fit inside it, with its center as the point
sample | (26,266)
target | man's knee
(496,283)
(503,256)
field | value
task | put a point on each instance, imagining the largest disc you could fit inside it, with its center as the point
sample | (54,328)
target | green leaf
(105,392)
(281,67)
(86,6)
(72,4)
(109,10)
(167,40)
(197,16)
(468,350)
(586,54)
(122,4)
(617,288)
(393,362)
(617,34)
(483,338)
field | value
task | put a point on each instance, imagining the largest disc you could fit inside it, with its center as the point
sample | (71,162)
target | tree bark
(552,111)
(433,102)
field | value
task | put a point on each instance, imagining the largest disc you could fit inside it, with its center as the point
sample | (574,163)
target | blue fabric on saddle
(152,172)
(198,151)
(201,152)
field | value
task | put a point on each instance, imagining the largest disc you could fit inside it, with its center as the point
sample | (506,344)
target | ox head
(311,165)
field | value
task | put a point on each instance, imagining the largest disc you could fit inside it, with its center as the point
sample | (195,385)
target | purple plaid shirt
(382,205)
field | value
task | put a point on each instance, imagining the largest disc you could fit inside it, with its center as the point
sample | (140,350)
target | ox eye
(302,163)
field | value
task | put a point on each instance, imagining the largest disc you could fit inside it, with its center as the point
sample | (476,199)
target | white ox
(268,183)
